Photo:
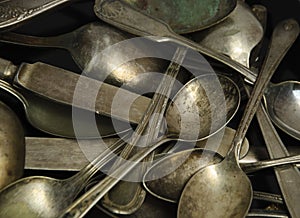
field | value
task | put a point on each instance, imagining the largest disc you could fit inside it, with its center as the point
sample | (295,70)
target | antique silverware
(230,192)
(133,195)
(134,21)
(188,162)
(202,14)
(39,196)
(190,16)
(80,207)
(89,41)
(48,101)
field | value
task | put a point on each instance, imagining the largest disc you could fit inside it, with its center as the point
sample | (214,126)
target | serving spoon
(229,192)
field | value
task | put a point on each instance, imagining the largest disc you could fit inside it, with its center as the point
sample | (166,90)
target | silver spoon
(120,14)
(16,12)
(236,36)
(91,39)
(80,207)
(133,195)
(48,106)
(12,146)
(229,192)
(39,196)
(169,187)
(54,192)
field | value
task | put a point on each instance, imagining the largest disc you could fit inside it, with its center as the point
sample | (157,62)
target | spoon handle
(255,166)
(284,35)
(17,11)
(129,19)
(84,203)
(133,199)
(288,177)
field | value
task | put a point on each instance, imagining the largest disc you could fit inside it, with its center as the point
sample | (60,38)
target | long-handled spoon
(133,195)
(201,13)
(91,39)
(122,15)
(48,102)
(54,192)
(288,177)
(12,146)
(229,192)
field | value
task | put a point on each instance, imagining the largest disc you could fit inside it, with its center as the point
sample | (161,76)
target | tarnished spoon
(12,146)
(229,192)
(236,36)
(191,16)
(90,40)
(170,187)
(57,195)
(188,122)
(136,22)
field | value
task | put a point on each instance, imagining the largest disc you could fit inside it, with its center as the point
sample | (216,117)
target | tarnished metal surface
(236,36)
(186,16)
(12,146)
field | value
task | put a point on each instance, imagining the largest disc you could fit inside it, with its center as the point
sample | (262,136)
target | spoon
(48,102)
(16,12)
(169,187)
(12,146)
(133,195)
(127,18)
(39,196)
(146,25)
(190,16)
(236,36)
(63,154)
(91,39)
(54,192)
(80,207)
(282,105)
(229,193)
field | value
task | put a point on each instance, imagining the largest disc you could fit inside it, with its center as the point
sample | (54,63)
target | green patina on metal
(186,16)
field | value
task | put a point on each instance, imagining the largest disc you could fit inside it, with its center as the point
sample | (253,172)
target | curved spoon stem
(61,41)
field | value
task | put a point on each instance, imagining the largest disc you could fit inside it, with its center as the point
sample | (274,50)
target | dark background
(72,16)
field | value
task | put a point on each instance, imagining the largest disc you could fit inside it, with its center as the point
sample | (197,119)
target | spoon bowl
(12,146)
(236,36)
(190,16)
(162,181)
(282,103)
(229,192)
